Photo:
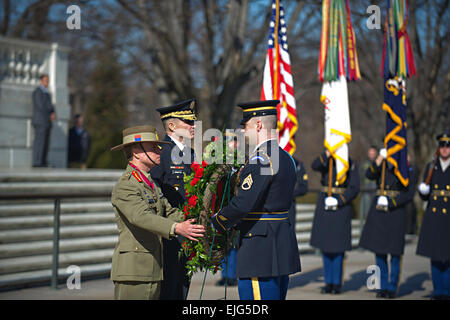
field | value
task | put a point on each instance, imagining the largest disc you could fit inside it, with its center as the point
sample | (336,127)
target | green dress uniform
(143,218)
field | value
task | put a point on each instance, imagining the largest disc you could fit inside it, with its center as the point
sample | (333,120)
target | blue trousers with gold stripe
(388,281)
(270,288)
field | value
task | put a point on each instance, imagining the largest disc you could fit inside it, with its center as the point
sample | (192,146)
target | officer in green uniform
(143,218)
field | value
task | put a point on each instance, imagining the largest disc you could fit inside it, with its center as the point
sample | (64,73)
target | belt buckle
(382,208)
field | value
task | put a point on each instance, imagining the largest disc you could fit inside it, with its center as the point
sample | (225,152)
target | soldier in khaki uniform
(143,218)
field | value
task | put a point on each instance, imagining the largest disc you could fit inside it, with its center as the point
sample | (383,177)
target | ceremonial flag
(337,124)
(278,83)
(395,139)
(338,62)
(397,65)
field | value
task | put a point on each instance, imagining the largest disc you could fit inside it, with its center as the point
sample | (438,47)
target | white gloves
(424,189)
(331,203)
(382,203)
(383,153)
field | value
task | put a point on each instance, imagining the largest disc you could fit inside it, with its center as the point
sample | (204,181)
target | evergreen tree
(106,114)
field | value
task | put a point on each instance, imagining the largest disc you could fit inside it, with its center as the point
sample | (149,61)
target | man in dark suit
(268,250)
(79,144)
(43,117)
(176,160)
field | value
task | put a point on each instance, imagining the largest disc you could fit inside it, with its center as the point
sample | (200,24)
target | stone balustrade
(21,64)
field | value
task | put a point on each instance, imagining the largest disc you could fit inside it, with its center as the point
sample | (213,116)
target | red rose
(204,164)
(195,166)
(194,181)
(199,173)
(186,211)
(192,256)
(193,201)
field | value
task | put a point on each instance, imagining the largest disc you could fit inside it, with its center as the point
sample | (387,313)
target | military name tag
(247,183)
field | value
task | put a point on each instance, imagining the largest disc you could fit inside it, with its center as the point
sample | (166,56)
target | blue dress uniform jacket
(267,244)
(169,176)
(301,188)
(384,232)
(434,239)
(331,231)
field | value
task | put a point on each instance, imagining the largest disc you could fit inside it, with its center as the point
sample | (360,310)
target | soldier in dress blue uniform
(384,230)
(331,231)
(268,250)
(176,160)
(434,239)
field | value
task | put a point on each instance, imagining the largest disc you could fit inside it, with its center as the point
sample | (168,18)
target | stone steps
(66,232)
(47,221)
(65,245)
(32,209)
(39,277)
(40,262)
(307,226)
(304,219)
(55,188)
(88,232)
(54,175)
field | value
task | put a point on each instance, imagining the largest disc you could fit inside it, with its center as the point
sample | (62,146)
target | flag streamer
(278,83)
(398,58)
(337,55)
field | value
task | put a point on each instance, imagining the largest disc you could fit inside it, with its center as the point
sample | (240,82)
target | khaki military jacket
(143,217)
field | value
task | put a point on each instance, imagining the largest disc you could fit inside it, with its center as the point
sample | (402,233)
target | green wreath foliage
(208,188)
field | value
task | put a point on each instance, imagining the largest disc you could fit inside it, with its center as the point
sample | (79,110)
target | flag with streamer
(338,62)
(278,83)
(338,54)
(397,65)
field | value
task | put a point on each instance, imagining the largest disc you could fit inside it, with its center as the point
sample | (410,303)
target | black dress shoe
(381,294)
(336,289)
(390,294)
(221,282)
(231,282)
(327,289)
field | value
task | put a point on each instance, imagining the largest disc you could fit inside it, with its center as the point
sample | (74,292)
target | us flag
(278,83)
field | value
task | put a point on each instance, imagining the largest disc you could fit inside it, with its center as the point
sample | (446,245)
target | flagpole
(383,175)
(330,175)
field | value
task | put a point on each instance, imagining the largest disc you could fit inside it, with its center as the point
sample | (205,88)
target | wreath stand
(205,219)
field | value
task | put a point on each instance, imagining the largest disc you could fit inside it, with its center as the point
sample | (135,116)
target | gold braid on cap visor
(187,115)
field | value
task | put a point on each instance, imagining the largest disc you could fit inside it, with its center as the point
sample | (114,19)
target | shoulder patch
(260,158)
(247,183)
(137,176)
